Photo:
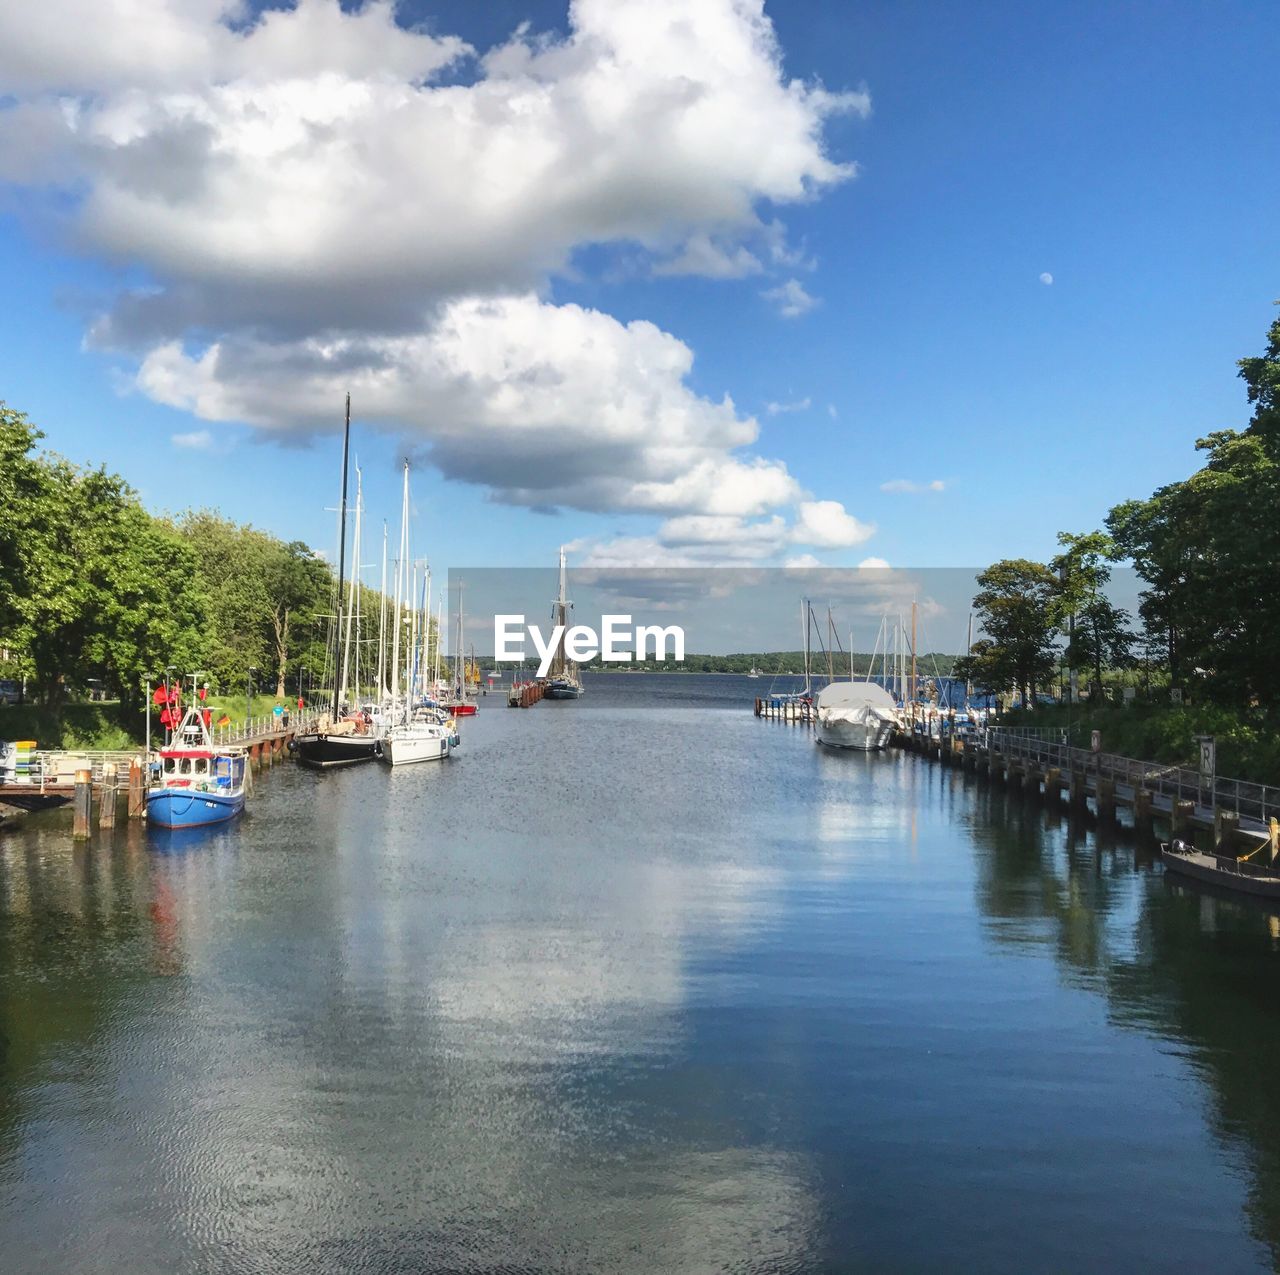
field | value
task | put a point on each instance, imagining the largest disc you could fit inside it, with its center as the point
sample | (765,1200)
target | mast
(913,652)
(831,642)
(342,552)
(968,650)
(804,622)
(400,584)
(560,617)
(353,600)
(382,620)
(459,685)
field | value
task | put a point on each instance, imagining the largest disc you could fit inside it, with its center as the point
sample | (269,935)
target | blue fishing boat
(196,782)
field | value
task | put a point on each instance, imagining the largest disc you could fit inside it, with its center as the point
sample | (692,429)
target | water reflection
(629,990)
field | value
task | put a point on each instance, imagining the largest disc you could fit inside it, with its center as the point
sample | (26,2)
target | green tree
(1098,632)
(1016,606)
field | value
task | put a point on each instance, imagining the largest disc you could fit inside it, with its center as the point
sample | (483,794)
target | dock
(55,774)
(785,708)
(1042,766)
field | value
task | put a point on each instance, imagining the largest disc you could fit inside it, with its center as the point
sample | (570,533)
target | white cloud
(313,211)
(802,562)
(1047,279)
(779,409)
(874,564)
(200,440)
(826,523)
(905,486)
(791,299)
(831,411)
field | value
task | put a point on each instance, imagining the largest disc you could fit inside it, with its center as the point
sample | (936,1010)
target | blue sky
(1127,150)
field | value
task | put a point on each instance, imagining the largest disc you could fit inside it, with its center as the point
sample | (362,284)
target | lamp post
(248,712)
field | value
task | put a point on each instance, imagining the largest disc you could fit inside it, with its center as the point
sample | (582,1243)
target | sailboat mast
(968,650)
(400,585)
(354,594)
(382,619)
(913,653)
(342,553)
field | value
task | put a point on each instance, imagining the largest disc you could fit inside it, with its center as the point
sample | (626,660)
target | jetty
(100,777)
(1043,766)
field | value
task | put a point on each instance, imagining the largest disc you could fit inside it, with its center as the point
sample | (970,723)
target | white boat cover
(856,701)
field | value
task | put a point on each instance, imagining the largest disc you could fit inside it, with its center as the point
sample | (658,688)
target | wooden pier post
(1273,839)
(1053,785)
(1180,817)
(82,805)
(1031,782)
(1105,795)
(995,765)
(1225,823)
(137,794)
(1076,790)
(1013,776)
(1142,812)
(108,796)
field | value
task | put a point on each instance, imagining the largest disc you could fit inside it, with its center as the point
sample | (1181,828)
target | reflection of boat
(562,675)
(858,715)
(197,782)
(1221,870)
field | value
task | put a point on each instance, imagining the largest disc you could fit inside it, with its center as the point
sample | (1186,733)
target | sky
(681,283)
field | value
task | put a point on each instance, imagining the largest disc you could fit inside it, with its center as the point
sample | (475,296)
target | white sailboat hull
(865,736)
(405,746)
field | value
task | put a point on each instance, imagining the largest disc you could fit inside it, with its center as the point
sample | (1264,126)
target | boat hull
(326,752)
(404,750)
(867,736)
(1203,867)
(562,690)
(191,808)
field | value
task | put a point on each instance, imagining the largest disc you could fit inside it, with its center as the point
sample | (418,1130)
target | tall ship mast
(562,676)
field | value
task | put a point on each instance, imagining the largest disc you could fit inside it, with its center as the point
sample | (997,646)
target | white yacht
(859,715)
(428,735)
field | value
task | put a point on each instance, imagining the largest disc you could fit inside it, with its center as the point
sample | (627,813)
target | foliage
(1017,605)
(1099,633)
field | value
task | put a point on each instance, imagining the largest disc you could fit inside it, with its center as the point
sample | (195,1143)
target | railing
(1249,800)
(57,767)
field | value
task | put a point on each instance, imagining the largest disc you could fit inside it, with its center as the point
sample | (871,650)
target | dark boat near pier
(1221,870)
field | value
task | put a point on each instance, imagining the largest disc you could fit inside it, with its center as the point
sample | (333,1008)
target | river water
(637,984)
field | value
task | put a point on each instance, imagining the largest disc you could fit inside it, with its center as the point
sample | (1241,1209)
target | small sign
(1130,694)
(1095,741)
(1208,755)
(1175,695)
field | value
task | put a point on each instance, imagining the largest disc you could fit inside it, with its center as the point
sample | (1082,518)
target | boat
(1221,870)
(196,782)
(459,703)
(753,672)
(340,737)
(428,735)
(562,675)
(858,715)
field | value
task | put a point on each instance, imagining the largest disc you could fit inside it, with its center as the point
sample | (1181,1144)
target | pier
(99,777)
(1043,766)
(784,708)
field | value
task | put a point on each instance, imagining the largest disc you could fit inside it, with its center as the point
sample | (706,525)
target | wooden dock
(55,773)
(785,708)
(1241,816)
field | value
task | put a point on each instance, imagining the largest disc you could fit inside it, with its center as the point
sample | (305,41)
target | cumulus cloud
(1046,278)
(199,440)
(908,487)
(314,208)
(874,564)
(790,298)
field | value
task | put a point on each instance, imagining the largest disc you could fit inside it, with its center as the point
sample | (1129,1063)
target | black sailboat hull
(326,752)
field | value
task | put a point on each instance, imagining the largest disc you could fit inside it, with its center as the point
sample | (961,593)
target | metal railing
(1179,783)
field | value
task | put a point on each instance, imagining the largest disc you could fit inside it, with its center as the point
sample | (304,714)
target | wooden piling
(1076,790)
(1031,782)
(1180,817)
(1273,840)
(1053,785)
(1105,795)
(137,794)
(1225,824)
(108,796)
(1142,811)
(82,805)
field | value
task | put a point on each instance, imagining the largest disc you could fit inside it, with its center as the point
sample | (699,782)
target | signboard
(1208,755)
(1095,741)
(1175,695)
(1130,694)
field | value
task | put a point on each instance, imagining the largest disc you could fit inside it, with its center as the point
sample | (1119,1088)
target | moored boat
(1221,870)
(428,736)
(562,675)
(858,715)
(197,782)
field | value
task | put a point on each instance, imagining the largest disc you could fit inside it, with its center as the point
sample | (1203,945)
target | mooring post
(1273,838)
(1225,823)
(995,765)
(1031,782)
(1053,784)
(1142,811)
(1105,795)
(1180,816)
(109,794)
(1076,791)
(137,796)
(82,805)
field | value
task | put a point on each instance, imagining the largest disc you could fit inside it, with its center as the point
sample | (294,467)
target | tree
(22,486)
(1098,632)
(1016,608)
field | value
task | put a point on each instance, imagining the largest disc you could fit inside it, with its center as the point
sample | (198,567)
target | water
(634,984)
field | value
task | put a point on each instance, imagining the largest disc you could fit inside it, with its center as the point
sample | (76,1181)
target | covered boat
(1227,871)
(859,715)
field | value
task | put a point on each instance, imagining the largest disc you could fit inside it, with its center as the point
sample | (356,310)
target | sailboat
(418,732)
(460,705)
(861,715)
(340,738)
(562,676)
